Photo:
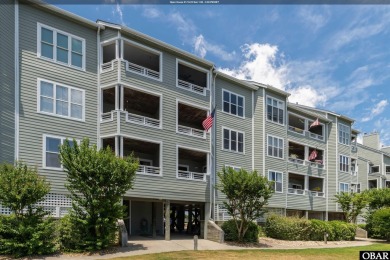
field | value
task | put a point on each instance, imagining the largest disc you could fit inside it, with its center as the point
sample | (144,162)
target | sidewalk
(144,245)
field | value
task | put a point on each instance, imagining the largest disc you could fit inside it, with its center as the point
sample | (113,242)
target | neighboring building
(63,76)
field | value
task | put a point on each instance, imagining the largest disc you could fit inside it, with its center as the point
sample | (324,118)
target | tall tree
(97,181)
(246,193)
(352,204)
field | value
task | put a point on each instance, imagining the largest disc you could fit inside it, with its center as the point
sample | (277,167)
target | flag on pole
(313,155)
(208,122)
(315,123)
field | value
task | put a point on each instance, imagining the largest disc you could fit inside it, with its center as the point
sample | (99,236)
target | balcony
(296,153)
(141,108)
(192,165)
(148,154)
(108,56)
(108,106)
(301,125)
(142,60)
(305,185)
(192,79)
(296,184)
(296,124)
(190,120)
(109,142)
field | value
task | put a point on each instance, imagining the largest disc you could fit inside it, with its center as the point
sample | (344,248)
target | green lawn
(317,254)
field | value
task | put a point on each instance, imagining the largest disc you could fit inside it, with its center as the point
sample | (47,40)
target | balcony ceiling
(191,115)
(140,101)
(140,146)
(192,155)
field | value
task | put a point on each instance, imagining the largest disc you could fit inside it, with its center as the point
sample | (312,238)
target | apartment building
(63,76)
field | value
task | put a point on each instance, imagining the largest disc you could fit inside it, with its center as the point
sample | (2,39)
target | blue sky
(334,57)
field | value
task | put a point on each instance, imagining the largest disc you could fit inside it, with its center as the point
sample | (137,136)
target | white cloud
(376,110)
(201,47)
(308,96)
(313,18)
(117,12)
(151,12)
(382,126)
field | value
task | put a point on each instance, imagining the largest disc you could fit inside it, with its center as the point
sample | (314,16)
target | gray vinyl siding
(7,82)
(363,173)
(108,33)
(110,77)
(305,202)
(259,134)
(332,164)
(235,123)
(34,125)
(109,127)
(272,163)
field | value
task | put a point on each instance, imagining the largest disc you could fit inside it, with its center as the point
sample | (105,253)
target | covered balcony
(142,60)
(109,51)
(372,184)
(296,124)
(141,108)
(296,184)
(190,120)
(109,142)
(148,154)
(316,157)
(296,153)
(192,79)
(316,132)
(316,186)
(109,103)
(192,165)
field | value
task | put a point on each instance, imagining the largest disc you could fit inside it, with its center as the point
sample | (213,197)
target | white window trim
(349,163)
(243,104)
(356,184)
(55,31)
(288,123)
(284,110)
(44,150)
(229,150)
(233,167)
(269,171)
(185,63)
(338,134)
(39,80)
(345,183)
(266,147)
(146,48)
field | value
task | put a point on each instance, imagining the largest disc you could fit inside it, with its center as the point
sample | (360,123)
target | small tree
(97,180)
(247,193)
(25,231)
(352,204)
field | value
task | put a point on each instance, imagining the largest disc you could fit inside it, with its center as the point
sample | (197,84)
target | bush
(231,234)
(292,228)
(362,226)
(70,237)
(378,224)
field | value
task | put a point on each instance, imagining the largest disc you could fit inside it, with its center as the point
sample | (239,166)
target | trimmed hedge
(231,234)
(292,228)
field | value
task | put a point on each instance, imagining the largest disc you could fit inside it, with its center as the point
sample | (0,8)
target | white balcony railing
(105,117)
(151,170)
(296,191)
(191,131)
(296,130)
(318,164)
(142,120)
(316,136)
(316,193)
(107,66)
(296,160)
(142,70)
(196,176)
(191,87)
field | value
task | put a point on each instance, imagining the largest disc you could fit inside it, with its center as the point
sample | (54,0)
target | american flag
(315,123)
(313,155)
(208,122)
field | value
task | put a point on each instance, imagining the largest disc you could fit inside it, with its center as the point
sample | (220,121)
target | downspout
(98,141)
(17,91)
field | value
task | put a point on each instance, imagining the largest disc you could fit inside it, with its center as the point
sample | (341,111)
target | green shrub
(362,226)
(378,224)
(287,228)
(231,234)
(292,228)
(27,235)
(70,236)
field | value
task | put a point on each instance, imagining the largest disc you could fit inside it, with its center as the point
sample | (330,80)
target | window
(60,100)
(344,134)
(233,140)
(344,187)
(52,151)
(355,187)
(277,178)
(275,147)
(61,47)
(387,169)
(233,103)
(275,110)
(344,163)
(374,169)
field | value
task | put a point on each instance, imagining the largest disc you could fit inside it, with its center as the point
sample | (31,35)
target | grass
(345,253)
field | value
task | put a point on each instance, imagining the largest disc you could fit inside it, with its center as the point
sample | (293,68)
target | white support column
(167,220)
(117,145)
(117,98)
(306,182)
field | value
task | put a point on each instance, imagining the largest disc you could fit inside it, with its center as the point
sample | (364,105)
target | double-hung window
(61,47)
(275,146)
(233,103)
(60,100)
(344,134)
(52,151)
(233,140)
(277,179)
(344,187)
(344,163)
(275,110)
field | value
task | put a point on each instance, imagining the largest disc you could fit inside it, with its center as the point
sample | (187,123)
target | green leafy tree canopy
(246,193)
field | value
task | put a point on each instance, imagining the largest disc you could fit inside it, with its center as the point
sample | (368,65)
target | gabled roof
(308,112)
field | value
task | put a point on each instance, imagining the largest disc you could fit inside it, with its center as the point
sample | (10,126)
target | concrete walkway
(142,245)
